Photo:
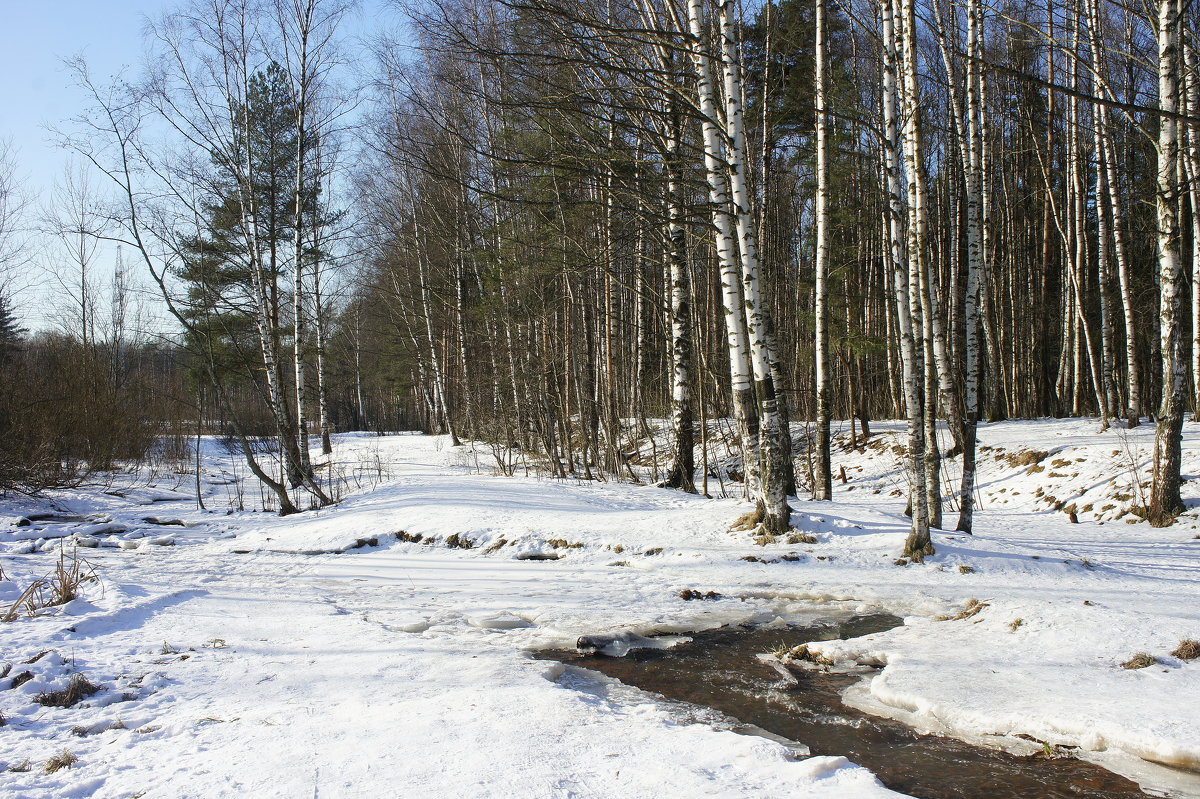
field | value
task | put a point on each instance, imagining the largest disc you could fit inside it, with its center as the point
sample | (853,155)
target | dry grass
(58,588)
(64,759)
(748,521)
(1014,624)
(79,688)
(26,603)
(1139,661)
(1024,457)
(806,655)
(21,767)
(972,608)
(965,569)
(69,575)
(83,732)
(801,538)
(1187,650)
(456,541)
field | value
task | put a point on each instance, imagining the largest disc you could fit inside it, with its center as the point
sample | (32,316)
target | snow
(382,646)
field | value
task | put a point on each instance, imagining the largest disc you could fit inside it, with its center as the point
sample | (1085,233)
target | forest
(544,224)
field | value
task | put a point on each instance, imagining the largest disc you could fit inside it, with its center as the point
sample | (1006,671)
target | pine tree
(10,331)
(236,265)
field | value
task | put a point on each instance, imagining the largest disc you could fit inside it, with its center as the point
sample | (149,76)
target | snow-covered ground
(380,647)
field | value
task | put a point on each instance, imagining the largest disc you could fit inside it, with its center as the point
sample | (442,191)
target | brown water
(720,670)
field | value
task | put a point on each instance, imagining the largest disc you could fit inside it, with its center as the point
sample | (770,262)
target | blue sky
(36,90)
(34,38)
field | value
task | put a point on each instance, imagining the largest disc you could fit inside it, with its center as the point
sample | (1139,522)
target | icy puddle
(721,670)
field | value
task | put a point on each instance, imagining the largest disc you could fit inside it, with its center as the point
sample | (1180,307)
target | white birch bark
(745,412)
(774,442)
(918,544)
(1165,502)
(921,292)
(973,164)
(823,477)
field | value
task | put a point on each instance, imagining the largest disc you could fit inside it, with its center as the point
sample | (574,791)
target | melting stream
(720,670)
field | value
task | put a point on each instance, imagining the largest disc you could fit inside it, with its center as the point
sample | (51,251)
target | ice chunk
(499,621)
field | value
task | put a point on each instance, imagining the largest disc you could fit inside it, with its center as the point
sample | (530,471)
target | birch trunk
(918,544)
(1165,502)
(823,477)
(683,467)
(921,292)
(741,386)
(774,438)
(975,111)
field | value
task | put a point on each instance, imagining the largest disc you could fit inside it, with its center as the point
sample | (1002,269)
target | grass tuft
(77,689)
(748,521)
(1187,650)
(803,653)
(1025,457)
(972,608)
(1139,661)
(64,759)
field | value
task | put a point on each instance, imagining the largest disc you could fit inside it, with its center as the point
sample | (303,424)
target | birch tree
(823,477)
(1165,502)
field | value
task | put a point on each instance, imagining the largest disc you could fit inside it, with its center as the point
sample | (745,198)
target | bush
(67,410)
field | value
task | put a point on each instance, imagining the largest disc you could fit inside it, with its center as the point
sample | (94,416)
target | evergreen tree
(10,331)
(217,264)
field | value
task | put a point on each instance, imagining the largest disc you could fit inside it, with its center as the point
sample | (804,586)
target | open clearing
(380,647)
